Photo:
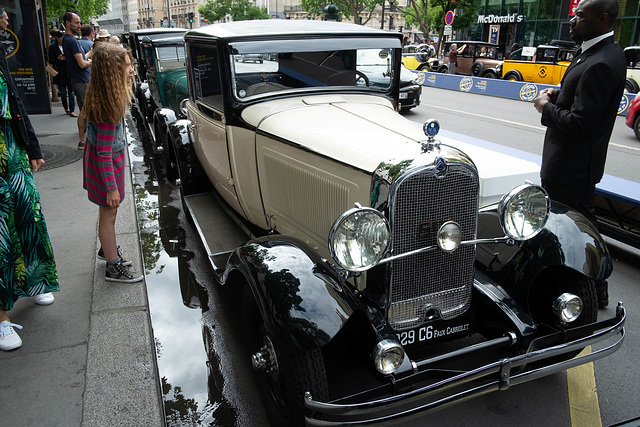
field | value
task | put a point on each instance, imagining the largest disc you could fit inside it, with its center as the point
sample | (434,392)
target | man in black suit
(580,116)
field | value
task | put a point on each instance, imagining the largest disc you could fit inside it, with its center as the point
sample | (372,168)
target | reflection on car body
(371,242)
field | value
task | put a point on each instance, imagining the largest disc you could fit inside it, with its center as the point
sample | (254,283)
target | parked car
(410,90)
(166,85)
(421,57)
(632,54)
(380,263)
(544,64)
(633,116)
(251,57)
(478,59)
(133,40)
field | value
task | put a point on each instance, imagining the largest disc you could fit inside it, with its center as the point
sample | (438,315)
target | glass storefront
(535,22)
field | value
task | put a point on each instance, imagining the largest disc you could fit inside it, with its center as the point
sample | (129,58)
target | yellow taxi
(544,64)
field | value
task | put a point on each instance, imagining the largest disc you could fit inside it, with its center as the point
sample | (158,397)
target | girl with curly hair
(107,100)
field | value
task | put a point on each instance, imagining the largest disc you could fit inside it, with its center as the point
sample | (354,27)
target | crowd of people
(97,75)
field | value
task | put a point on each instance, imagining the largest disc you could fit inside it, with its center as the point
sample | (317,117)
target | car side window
(204,75)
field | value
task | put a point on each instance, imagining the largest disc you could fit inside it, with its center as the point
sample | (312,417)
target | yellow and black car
(544,64)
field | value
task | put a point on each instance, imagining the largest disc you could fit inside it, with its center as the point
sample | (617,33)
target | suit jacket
(61,66)
(25,135)
(580,122)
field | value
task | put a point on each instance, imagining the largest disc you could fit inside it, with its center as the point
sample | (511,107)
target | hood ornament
(431,128)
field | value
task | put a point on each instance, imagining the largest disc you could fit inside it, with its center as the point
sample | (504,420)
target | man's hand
(36,164)
(546,95)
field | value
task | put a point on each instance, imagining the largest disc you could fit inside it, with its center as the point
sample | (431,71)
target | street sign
(448,30)
(448,18)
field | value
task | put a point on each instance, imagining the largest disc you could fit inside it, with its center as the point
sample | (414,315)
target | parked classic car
(546,63)
(377,255)
(633,116)
(632,54)
(421,57)
(133,39)
(479,59)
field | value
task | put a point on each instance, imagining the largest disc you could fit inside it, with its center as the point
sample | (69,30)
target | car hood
(361,131)
(364,131)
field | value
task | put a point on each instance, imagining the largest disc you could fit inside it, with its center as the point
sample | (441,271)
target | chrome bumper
(499,375)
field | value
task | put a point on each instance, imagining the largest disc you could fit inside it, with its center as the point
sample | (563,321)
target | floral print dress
(27,266)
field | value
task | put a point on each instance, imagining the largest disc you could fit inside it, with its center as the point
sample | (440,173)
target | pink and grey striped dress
(104,163)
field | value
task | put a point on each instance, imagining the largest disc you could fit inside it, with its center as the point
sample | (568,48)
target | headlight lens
(359,239)
(567,307)
(449,236)
(524,211)
(388,356)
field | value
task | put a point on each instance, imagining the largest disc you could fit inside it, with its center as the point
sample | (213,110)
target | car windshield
(171,57)
(311,67)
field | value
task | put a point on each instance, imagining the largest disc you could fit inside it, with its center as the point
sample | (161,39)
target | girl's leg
(107,232)
(3,316)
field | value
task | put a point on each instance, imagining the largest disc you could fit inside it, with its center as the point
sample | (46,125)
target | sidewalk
(88,359)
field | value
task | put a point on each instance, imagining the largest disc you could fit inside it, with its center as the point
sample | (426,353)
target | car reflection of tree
(161,230)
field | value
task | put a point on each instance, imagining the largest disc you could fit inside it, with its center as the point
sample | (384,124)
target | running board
(219,232)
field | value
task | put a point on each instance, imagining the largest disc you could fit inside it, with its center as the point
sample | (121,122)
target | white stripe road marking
(511,122)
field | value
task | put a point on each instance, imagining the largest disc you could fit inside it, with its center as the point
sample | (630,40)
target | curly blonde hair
(109,92)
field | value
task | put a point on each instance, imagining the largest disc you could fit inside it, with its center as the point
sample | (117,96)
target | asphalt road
(516,124)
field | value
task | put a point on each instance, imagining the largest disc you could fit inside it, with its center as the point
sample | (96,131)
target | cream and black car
(385,270)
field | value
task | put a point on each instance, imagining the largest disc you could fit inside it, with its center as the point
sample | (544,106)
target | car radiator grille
(435,281)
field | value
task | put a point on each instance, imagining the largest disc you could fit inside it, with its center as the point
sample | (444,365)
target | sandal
(67,111)
(73,114)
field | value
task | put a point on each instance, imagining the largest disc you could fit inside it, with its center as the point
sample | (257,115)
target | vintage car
(421,57)
(633,116)
(133,40)
(479,59)
(166,85)
(382,271)
(544,64)
(632,55)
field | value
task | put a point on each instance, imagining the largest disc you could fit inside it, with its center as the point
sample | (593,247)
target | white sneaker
(44,299)
(9,339)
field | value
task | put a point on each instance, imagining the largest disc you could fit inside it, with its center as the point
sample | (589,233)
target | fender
(567,240)
(162,117)
(301,297)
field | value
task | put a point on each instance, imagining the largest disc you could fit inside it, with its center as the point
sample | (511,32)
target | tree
(239,10)
(87,9)
(348,8)
(466,15)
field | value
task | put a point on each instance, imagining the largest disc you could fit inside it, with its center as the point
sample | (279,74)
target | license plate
(404,95)
(429,333)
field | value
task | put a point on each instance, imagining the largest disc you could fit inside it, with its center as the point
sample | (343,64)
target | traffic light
(191,14)
(162,22)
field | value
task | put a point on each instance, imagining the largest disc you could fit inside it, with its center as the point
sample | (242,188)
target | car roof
(282,27)
(153,31)
(169,40)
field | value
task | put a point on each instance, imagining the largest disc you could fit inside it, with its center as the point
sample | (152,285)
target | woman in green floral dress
(27,266)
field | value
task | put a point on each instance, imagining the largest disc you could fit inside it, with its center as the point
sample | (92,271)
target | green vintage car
(166,84)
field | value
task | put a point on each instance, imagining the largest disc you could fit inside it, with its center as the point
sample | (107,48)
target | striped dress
(103,167)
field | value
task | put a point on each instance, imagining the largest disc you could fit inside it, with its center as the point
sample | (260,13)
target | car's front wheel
(514,76)
(283,373)
(490,74)
(636,126)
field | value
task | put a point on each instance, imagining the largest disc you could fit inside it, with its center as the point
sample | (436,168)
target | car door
(208,129)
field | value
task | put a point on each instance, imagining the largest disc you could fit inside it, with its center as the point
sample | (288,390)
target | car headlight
(567,307)
(359,239)
(387,356)
(524,211)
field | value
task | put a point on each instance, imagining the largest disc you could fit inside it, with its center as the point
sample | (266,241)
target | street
(206,377)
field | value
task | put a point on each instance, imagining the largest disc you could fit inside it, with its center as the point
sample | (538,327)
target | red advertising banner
(572,7)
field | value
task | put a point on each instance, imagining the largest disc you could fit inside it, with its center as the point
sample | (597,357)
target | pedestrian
(580,115)
(58,61)
(114,40)
(453,57)
(104,36)
(86,41)
(77,67)
(54,87)
(108,97)
(27,265)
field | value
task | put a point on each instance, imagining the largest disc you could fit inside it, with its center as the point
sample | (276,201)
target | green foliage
(87,9)
(239,10)
(348,9)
